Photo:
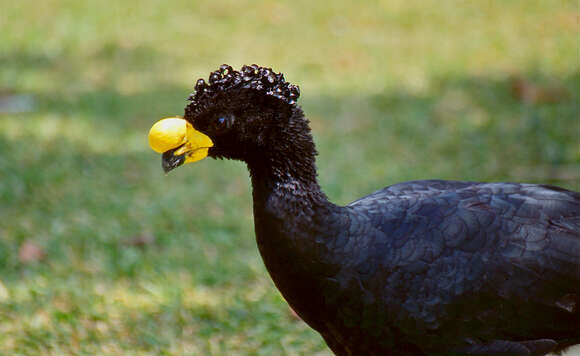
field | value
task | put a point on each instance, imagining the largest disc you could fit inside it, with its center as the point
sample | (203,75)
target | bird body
(418,268)
(439,264)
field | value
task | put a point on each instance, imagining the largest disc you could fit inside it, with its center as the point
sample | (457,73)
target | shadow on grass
(533,116)
(128,57)
(88,85)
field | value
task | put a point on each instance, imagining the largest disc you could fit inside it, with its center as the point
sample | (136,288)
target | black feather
(417,268)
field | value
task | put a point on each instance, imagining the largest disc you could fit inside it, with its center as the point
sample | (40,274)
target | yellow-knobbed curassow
(426,267)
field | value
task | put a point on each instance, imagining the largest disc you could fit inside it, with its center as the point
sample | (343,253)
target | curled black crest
(249,77)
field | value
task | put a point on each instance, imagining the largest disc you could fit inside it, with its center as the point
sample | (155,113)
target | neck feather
(287,171)
(293,218)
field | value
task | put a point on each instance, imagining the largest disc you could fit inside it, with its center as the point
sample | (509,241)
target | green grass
(395,90)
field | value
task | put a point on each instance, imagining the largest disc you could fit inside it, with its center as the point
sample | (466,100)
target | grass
(395,91)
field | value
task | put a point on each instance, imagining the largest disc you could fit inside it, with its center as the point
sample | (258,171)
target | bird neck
(293,219)
(284,176)
(285,194)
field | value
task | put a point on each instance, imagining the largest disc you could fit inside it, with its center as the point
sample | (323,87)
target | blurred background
(101,253)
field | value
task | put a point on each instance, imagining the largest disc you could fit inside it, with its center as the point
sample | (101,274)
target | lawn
(102,253)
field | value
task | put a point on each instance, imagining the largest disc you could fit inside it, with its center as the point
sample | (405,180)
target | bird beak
(179,142)
(170,161)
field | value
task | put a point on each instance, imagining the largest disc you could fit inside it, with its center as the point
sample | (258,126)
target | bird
(425,267)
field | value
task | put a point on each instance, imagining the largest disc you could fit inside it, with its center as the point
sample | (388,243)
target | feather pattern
(426,267)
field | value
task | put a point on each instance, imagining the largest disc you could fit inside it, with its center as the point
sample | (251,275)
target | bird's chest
(297,266)
(334,297)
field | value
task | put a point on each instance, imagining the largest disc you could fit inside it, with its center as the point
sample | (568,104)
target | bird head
(234,115)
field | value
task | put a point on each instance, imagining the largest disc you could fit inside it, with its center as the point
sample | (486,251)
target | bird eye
(222,123)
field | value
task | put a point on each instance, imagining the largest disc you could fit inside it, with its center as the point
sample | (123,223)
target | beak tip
(169,161)
(166,169)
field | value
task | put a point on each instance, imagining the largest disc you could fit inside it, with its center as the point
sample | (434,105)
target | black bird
(427,267)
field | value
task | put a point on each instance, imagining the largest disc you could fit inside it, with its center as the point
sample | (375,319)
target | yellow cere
(167,134)
(197,145)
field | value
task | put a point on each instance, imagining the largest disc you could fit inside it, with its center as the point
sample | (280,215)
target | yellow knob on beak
(167,134)
(178,141)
